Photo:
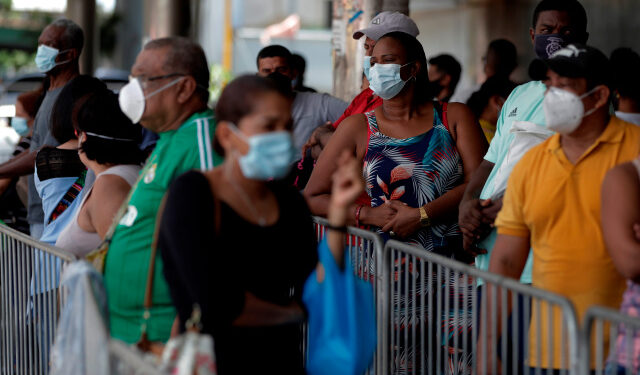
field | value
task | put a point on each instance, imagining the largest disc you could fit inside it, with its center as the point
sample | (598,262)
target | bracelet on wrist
(358,209)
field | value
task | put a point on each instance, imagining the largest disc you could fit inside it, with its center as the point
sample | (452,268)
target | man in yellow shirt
(552,202)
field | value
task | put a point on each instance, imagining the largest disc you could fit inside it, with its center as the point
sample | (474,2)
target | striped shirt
(126,265)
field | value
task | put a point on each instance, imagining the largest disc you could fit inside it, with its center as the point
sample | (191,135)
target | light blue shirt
(524,104)
(47,267)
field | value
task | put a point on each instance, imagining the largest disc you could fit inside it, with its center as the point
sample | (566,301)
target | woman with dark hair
(60,176)
(240,243)
(417,154)
(108,146)
(487,102)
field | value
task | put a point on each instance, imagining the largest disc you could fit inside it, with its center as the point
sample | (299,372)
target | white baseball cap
(388,22)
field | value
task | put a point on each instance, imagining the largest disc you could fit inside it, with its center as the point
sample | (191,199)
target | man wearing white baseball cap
(383,23)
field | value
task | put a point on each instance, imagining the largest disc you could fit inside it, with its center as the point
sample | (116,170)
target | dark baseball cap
(388,22)
(581,61)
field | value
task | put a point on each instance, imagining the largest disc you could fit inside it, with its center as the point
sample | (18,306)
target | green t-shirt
(524,104)
(127,262)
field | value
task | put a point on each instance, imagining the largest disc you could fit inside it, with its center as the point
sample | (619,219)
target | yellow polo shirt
(557,205)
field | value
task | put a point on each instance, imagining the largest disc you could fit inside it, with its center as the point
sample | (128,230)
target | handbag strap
(144,343)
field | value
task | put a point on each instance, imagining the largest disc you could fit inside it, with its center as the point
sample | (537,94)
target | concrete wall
(464,28)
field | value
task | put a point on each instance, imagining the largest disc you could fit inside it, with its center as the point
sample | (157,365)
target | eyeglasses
(145,80)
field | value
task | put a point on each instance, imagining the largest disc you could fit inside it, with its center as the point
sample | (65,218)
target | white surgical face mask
(132,99)
(366,66)
(386,81)
(564,110)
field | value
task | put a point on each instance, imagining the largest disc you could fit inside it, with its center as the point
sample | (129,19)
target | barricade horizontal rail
(364,248)
(621,356)
(439,322)
(30,301)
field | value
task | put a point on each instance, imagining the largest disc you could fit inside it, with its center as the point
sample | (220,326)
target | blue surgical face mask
(386,81)
(366,66)
(46,58)
(270,155)
(19,124)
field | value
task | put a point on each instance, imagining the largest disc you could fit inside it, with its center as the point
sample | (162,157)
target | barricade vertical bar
(424,283)
(412,319)
(538,309)
(550,336)
(430,292)
(465,336)
(474,330)
(438,318)
(444,324)
(456,323)
(515,347)
(505,318)
(21,316)
(494,327)
(528,306)
(599,355)
(628,344)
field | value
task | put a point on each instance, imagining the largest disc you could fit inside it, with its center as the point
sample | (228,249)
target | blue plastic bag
(342,319)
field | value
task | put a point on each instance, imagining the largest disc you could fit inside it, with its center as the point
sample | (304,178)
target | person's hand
(405,222)
(377,216)
(470,219)
(490,209)
(347,184)
(314,139)
(636,231)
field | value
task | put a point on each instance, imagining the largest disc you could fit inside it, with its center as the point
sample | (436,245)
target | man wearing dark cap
(552,201)
(520,126)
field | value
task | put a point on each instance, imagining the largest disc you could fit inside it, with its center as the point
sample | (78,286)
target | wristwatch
(425,220)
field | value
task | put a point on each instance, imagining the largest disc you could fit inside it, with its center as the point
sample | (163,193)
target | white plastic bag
(527,135)
(81,343)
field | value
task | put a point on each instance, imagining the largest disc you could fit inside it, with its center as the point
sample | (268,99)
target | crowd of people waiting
(537,181)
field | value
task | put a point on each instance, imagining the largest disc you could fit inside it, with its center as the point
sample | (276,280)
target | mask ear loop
(586,95)
(164,87)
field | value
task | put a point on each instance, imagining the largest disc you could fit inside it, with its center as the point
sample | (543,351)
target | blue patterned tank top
(415,171)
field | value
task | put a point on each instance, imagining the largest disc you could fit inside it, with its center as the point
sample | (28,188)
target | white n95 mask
(564,110)
(132,99)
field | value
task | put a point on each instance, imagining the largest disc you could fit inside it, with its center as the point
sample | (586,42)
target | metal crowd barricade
(30,301)
(437,320)
(364,248)
(619,356)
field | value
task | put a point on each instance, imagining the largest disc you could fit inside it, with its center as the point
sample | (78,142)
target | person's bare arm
(347,185)
(351,136)
(472,145)
(20,165)
(470,211)
(107,195)
(619,213)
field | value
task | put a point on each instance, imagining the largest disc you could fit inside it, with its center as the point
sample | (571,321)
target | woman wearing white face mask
(232,236)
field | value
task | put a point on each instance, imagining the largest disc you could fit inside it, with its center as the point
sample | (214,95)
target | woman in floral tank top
(417,156)
(621,230)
